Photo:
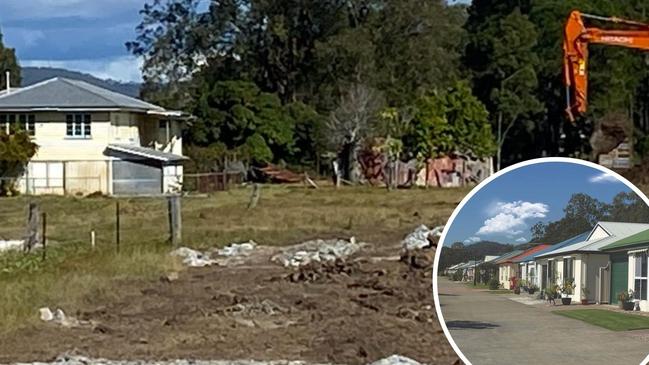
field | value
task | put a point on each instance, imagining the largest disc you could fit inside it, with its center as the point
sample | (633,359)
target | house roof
(569,241)
(630,241)
(147,153)
(615,230)
(469,264)
(61,93)
(505,258)
(523,256)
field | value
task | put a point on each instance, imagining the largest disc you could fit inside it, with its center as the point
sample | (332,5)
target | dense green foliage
(582,213)
(9,62)
(16,150)
(442,73)
(458,252)
(292,80)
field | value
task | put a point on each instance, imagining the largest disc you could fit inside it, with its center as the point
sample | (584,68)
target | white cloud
(522,240)
(471,240)
(510,218)
(604,177)
(19,9)
(124,68)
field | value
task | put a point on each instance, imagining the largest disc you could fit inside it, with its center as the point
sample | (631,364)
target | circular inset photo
(546,261)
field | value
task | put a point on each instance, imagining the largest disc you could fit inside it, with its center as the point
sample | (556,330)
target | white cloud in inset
(511,217)
(521,240)
(604,177)
(471,240)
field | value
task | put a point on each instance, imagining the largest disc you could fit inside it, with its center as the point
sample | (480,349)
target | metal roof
(616,231)
(569,241)
(636,239)
(147,153)
(531,251)
(62,93)
(507,256)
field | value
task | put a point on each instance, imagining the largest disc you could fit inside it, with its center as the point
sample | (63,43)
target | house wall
(597,234)
(644,304)
(67,165)
(505,272)
(593,262)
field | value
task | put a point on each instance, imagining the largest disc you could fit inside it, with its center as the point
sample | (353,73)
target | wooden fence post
(44,234)
(175,219)
(93,239)
(117,228)
(254,198)
(33,228)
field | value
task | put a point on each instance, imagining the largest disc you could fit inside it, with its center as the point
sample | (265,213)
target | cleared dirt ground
(369,308)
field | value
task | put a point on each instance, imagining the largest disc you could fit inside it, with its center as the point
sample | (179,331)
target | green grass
(613,321)
(74,275)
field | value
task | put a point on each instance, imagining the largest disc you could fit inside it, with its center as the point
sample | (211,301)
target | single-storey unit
(629,269)
(506,269)
(542,276)
(587,265)
(527,269)
(94,140)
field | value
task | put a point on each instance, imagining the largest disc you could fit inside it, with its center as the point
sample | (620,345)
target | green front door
(619,275)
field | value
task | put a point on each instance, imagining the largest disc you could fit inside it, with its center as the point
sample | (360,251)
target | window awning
(145,152)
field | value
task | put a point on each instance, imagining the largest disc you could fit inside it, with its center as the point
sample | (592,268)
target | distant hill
(33,75)
(477,251)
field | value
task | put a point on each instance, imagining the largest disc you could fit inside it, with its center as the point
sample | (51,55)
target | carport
(144,171)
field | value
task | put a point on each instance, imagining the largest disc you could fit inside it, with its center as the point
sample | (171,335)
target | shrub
(458,275)
(494,284)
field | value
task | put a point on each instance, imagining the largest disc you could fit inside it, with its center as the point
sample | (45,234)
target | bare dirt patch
(355,311)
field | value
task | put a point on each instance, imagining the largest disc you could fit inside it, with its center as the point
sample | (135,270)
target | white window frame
(638,258)
(78,125)
(27,122)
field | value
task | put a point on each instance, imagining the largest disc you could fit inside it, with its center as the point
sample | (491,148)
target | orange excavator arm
(577,36)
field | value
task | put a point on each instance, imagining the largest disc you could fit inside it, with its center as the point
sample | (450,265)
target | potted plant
(517,289)
(551,293)
(532,289)
(584,295)
(625,300)
(567,290)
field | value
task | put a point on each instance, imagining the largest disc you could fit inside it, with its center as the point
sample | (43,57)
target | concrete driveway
(492,329)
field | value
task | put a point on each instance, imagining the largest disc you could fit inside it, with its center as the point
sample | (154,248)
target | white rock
(237,249)
(46,314)
(193,258)
(11,245)
(419,237)
(317,251)
(396,360)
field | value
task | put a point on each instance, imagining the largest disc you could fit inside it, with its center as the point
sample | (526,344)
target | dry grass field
(82,280)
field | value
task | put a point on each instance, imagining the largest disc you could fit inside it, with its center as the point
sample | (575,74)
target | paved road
(492,329)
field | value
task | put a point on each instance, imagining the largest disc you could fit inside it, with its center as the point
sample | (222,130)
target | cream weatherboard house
(94,140)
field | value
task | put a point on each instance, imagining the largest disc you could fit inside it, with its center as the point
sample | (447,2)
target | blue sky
(505,209)
(80,35)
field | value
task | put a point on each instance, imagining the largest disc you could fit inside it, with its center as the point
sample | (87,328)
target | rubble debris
(316,271)
(281,175)
(82,360)
(59,317)
(422,237)
(396,360)
(317,250)
(237,249)
(253,308)
(193,258)
(11,245)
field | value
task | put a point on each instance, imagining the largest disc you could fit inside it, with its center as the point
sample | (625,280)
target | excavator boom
(577,36)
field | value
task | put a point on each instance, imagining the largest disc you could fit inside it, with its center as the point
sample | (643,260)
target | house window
(13,122)
(78,125)
(641,276)
(568,268)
